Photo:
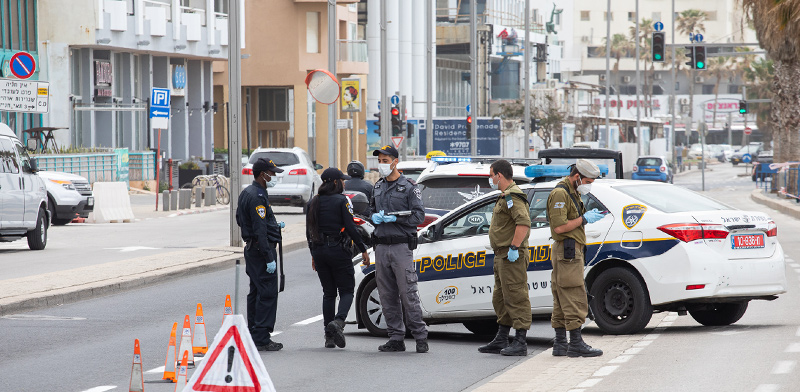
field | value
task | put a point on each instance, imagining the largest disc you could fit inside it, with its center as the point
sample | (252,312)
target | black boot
(500,341)
(336,329)
(560,343)
(329,341)
(519,347)
(578,348)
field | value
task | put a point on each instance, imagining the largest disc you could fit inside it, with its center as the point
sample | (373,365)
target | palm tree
(691,22)
(758,76)
(777,25)
(645,31)
(620,47)
(720,68)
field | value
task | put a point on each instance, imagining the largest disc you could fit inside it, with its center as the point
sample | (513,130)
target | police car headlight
(65,184)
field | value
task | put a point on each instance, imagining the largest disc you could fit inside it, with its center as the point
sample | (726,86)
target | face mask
(584,189)
(272,182)
(385,169)
(492,184)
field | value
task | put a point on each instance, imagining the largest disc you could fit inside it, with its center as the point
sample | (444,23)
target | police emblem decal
(262,211)
(632,214)
(350,208)
(418,193)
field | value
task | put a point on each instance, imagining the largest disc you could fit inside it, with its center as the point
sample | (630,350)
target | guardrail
(100,167)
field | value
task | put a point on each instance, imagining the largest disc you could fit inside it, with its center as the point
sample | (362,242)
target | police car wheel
(715,315)
(370,311)
(482,327)
(621,304)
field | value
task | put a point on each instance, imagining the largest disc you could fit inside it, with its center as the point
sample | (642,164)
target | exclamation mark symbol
(231,351)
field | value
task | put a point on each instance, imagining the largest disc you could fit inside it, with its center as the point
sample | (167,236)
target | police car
(659,247)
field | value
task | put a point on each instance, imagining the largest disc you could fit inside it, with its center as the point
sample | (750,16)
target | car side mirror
(31,144)
(34,166)
(317,166)
(429,233)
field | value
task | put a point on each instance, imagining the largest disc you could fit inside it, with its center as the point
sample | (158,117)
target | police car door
(455,266)
(596,232)
(539,242)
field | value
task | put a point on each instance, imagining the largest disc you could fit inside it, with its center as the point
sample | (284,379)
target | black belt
(390,240)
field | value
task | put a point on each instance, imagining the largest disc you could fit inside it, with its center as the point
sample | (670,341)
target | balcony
(352,57)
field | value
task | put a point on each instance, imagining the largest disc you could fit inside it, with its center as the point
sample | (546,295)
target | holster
(569,248)
(412,242)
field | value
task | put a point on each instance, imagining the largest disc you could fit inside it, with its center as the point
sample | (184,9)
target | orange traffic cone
(169,363)
(181,382)
(199,341)
(185,346)
(137,375)
(228,311)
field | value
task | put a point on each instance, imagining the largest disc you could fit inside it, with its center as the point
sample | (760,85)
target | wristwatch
(584,220)
(512,247)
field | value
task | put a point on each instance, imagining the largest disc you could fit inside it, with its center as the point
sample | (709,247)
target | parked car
(763,158)
(722,151)
(299,181)
(696,149)
(69,196)
(23,197)
(653,168)
(753,149)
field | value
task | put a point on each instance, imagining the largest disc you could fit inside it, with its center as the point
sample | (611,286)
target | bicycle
(219,182)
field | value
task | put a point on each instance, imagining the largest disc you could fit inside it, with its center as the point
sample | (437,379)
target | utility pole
(234,115)
(332,131)
(386,130)
(608,72)
(429,76)
(526,90)
(639,141)
(473,74)
(672,87)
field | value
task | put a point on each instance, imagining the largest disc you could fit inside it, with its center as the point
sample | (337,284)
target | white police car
(660,247)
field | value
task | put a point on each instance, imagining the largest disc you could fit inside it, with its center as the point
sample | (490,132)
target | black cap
(333,173)
(262,165)
(388,150)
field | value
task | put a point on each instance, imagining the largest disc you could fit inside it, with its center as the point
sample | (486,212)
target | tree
(758,77)
(720,68)
(551,119)
(620,47)
(691,22)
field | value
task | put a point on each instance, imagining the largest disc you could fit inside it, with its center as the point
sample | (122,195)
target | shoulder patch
(418,193)
(261,211)
(559,204)
(350,208)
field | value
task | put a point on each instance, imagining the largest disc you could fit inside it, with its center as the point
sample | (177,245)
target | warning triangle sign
(396,140)
(232,363)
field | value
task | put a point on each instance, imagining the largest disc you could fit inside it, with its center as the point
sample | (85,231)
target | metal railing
(350,50)
(791,182)
(142,166)
(161,3)
(100,167)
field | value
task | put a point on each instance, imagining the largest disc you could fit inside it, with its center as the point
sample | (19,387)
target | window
(585,16)
(606,17)
(19,25)
(631,17)
(279,158)
(475,222)
(312,32)
(449,193)
(272,104)
(8,159)
(24,159)
(656,17)
(557,19)
(670,199)
(708,89)
(538,209)
(733,89)
(648,162)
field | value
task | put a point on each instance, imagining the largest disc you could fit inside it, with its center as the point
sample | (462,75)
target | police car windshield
(449,193)
(671,198)
(278,157)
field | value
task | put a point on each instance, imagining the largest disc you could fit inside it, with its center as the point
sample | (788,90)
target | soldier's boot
(578,348)
(519,347)
(336,329)
(500,341)
(560,343)
(329,341)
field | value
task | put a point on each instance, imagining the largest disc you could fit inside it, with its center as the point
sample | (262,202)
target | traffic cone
(181,382)
(199,341)
(137,375)
(169,363)
(186,340)
(228,311)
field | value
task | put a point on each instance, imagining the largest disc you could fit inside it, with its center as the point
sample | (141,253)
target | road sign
(469,107)
(747,158)
(658,26)
(698,37)
(22,65)
(344,123)
(748,131)
(397,140)
(24,96)
(159,108)
(395,100)
(379,105)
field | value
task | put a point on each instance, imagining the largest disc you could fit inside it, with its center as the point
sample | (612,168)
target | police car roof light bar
(535,171)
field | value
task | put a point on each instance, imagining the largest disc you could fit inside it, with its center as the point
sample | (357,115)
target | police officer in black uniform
(331,233)
(262,233)
(355,169)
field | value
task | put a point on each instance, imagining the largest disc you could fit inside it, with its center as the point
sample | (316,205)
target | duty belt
(390,240)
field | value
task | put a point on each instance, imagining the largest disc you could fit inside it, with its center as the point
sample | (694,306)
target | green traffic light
(701,65)
(657,56)
(742,111)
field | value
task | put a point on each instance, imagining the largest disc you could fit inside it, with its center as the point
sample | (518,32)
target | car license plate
(747,241)
(90,201)
(649,170)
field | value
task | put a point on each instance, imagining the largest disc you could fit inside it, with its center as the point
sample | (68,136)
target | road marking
(309,320)
(101,388)
(632,351)
(621,359)
(665,324)
(604,371)
(793,348)
(794,265)
(783,367)
(40,317)
(767,388)
(589,383)
(651,336)
(643,343)
(131,248)
(670,318)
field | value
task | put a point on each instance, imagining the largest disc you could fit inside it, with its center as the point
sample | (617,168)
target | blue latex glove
(593,215)
(271,267)
(377,218)
(513,255)
(281,224)
(389,218)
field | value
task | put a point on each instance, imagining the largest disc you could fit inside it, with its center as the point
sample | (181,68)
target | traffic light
(658,46)
(689,52)
(377,123)
(700,57)
(535,124)
(742,107)
(397,122)
(469,127)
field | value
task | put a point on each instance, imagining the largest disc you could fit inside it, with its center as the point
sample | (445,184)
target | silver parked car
(299,181)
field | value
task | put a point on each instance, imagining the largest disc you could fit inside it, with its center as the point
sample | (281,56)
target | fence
(791,182)
(100,167)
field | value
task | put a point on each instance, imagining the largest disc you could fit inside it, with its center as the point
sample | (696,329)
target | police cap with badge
(386,150)
(263,165)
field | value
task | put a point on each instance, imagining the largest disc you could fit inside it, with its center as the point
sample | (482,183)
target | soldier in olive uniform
(508,236)
(567,217)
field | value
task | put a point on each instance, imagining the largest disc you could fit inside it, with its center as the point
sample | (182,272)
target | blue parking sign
(159,107)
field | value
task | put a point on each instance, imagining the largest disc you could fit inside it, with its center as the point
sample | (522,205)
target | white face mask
(384,169)
(584,189)
(271,182)
(492,184)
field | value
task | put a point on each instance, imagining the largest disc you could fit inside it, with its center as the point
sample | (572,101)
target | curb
(758,196)
(200,211)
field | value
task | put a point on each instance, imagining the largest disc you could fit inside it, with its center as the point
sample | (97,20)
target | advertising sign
(351,95)
(450,136)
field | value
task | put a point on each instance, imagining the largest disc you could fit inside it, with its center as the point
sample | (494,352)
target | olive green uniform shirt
(561,209)
(505,220)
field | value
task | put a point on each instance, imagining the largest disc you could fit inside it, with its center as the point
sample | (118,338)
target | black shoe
(578,348)
(500,341)
(422,345)
(335,328)
(560,343)
(271,346)
(519,347)
(329,342)
(392,346)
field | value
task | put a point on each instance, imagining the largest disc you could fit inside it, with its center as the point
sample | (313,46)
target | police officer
(330,232)
(262,233)
(567,217)
(508,236)
(355,169)
(395,238)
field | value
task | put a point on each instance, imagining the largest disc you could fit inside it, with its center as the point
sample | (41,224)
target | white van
(23,196)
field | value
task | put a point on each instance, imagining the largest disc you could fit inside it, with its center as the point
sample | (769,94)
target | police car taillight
(247,171)
(358,221)
(772,229)
(687,232)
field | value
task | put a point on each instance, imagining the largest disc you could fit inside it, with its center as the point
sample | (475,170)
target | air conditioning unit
(602,77)
(585,38)
(684,101)
(551,83)
(699,79)
(658,76)
(626,79)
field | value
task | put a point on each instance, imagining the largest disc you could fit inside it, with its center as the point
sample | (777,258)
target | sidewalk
(774,201)
(143,204)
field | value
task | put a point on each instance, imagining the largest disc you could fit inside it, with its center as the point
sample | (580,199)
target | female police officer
(330,232)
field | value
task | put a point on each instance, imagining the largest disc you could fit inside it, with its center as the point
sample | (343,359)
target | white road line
(632,351)
(767,388)
(671,317)
(651,336)
(101,388)
(643,343)
(589,383)
(309,320)
(621,359)
(798,332)
(783,367)
(793,348)
(159,369)
(604,371)
(665,324)
(576,390)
